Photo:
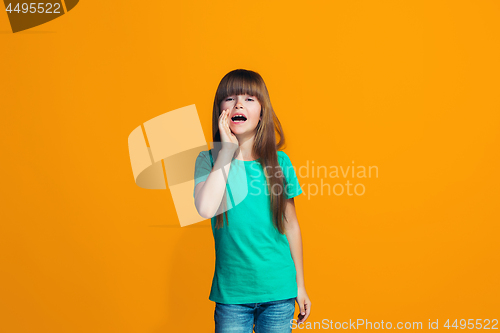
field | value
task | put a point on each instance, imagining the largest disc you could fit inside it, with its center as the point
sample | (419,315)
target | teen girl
(258,269)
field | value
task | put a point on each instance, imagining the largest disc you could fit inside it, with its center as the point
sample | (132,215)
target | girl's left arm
(294,236)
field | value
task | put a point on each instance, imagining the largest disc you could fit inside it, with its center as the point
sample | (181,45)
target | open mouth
(239,118)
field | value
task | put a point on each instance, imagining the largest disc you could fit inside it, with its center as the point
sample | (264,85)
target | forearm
(294,237)
(209,198)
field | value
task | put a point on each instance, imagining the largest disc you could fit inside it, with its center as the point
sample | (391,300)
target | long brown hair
(240,82)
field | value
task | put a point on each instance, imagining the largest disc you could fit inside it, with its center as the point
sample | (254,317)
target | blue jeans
(268,317)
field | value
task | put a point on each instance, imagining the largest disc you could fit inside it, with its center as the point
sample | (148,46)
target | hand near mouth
(226,135)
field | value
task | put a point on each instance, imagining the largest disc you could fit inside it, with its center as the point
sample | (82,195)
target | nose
(238,104)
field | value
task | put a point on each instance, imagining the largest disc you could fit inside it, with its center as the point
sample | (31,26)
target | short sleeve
(292,187)
(202,169)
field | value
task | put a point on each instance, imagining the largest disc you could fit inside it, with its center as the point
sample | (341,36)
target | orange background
(410,87)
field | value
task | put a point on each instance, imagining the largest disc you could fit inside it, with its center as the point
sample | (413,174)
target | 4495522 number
(33,7)
(473,324)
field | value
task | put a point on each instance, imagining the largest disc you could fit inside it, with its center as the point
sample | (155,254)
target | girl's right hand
(226,135)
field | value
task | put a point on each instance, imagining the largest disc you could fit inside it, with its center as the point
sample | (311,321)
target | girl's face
(246,105)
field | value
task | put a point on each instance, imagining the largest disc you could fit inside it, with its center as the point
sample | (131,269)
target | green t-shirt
(253,260)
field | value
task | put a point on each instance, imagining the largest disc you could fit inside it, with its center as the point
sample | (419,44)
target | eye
(251,99)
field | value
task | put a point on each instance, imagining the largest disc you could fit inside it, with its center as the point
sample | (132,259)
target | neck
(246,147)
